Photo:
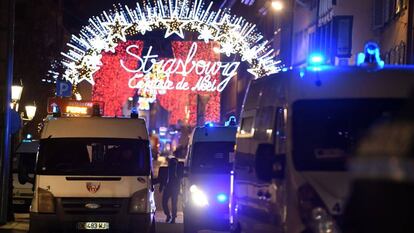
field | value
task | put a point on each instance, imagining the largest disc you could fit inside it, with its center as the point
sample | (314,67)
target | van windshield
(326,132)
(211,157)
(93,156)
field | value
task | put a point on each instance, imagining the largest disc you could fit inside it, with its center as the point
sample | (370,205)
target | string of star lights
(103,33)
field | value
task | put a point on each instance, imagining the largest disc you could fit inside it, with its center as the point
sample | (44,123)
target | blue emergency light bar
(316,59)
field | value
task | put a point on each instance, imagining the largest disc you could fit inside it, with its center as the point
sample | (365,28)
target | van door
(257,199)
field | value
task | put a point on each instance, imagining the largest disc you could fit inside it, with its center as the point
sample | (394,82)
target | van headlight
(323,221)
(314,214)
(46,201)
(139,202)
(198,197)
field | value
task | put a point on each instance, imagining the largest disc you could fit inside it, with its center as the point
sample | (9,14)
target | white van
(207,182)
(298,129)
(93,173)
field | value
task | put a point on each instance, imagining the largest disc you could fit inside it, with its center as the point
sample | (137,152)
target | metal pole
(5,152)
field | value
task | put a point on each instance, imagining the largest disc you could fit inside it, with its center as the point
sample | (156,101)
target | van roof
(95,127)
(28,147)
(331,82)
(214,134)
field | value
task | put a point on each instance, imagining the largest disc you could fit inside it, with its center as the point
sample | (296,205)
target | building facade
(339,29)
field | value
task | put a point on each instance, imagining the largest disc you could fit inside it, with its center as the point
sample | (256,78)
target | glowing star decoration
(225,29)
(142,26)
(175,26)
(104,32)
(117,28)
(99,44)
(258,71)
(110,44)
(205,34)
(227,48)
(93,59)
(86,72)
(248,54)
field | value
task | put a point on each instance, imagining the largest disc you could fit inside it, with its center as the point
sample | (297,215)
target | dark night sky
(77,12)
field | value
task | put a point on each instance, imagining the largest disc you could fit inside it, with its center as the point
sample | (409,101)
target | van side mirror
(268,165)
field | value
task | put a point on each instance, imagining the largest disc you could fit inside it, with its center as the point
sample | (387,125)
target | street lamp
(16,94)
(30,112)
(277,5)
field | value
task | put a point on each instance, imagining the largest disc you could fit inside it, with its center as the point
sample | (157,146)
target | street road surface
(22,225)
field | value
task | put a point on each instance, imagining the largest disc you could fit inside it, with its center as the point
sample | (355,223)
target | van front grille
(92,206)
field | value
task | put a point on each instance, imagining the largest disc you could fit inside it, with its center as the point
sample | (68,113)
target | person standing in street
(170,188)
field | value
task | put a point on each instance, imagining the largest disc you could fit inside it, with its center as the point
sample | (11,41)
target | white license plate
(93,225)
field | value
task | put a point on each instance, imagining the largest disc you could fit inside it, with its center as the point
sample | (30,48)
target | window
(378,14)
(386,10)
(247,125)
(264,123)
(325,133)
(211,157)
(280,134)
(93,156)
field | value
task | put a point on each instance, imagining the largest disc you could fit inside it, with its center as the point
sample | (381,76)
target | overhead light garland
(234,34)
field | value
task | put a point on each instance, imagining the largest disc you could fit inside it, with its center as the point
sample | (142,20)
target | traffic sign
(63,88)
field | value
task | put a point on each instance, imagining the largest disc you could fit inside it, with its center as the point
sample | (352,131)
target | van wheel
(189,226)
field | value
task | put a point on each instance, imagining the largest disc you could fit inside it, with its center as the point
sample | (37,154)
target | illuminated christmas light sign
(234,34)
(204,69)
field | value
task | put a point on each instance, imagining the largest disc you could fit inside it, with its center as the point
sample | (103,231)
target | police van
(298,129)
(24,162)
(208,177)
(93,173)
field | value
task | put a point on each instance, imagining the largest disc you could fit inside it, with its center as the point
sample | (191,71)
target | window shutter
(378,14)
(342,36)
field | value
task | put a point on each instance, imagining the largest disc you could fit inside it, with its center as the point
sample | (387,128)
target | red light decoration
(111,83)
(111,80)
(182,105)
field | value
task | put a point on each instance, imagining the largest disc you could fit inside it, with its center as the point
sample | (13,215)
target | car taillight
(46,201)
(313,211)
(139,202)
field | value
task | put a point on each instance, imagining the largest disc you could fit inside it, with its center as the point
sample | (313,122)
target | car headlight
(46,201)
(139,202)
(198,197)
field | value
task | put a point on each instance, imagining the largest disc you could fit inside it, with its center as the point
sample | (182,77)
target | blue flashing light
(231,122)
(316,59)
(209,124)
(360,59)
(222,198)
(134,112)
(284,69)
(371,56)
(29,136)
(302,74)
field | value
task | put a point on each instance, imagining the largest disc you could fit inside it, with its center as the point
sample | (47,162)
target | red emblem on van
(93,187)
